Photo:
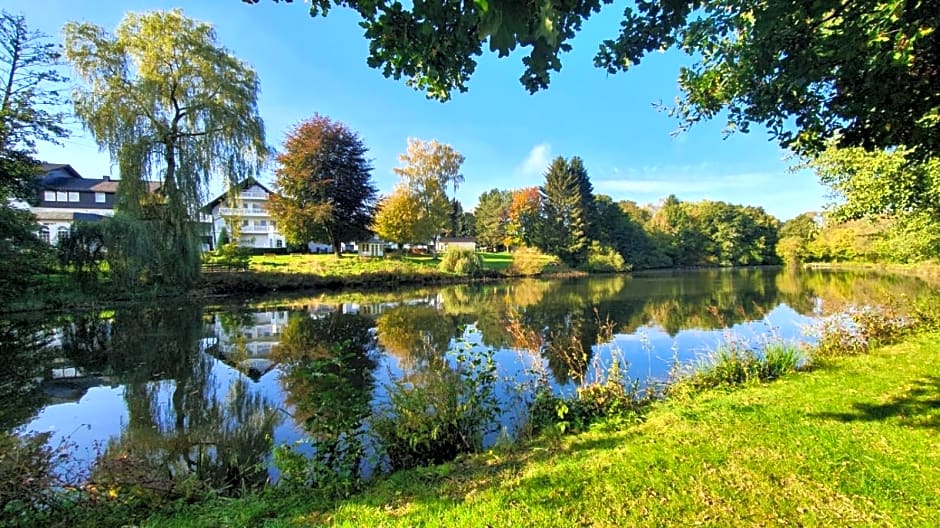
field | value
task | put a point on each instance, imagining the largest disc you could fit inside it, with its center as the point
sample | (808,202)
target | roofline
(247,182)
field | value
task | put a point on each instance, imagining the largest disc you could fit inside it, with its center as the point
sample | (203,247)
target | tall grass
(735,362)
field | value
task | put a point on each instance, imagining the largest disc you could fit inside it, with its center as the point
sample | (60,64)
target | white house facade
(248,210)
(66,197)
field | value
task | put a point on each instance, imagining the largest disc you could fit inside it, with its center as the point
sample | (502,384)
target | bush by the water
(462,261)
(440,411)
(528,261)
(735,363)
(604,259)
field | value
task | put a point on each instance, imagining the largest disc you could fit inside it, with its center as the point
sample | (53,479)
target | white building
(66,197)
(249,209)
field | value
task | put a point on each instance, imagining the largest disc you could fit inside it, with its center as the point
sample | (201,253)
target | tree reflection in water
(184,422)
(328,362)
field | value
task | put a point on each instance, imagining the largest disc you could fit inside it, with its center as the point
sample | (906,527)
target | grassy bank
(854,442)
(927,271)
(299,272)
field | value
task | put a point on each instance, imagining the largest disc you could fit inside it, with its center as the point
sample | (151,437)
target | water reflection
(208,394)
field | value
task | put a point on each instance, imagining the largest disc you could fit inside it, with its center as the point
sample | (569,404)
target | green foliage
(163,98)
(325,185)
(29,91)
(890,188)
(27,480)
(328,376)
(735,363)
(23,256)
(223,237)
(613,399)
(462,262)
(83,251)
(528,262)
(858,330)
(230,256)
(567,211)
(874,87)
(491,215)
(30,88)
(873,52)
(435,414)
(604,259)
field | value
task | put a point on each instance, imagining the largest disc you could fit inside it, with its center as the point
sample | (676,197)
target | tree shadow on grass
(919,406)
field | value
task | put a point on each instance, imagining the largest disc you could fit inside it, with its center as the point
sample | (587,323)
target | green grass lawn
(854,443)
(351,264)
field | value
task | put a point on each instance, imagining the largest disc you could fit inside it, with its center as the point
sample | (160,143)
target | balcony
(240,211)
(253,195)
(257,230)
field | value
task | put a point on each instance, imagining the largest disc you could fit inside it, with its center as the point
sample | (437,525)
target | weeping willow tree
(173,109)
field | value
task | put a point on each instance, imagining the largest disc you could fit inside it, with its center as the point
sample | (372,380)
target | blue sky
(508,137)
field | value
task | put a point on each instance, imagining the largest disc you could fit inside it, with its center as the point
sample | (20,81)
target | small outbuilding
(372,248)
(444,243)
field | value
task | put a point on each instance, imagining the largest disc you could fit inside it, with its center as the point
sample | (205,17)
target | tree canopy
(30,93)
(865,71)
(567,211)
(29,96)
(325,185)
(427,168)
(169,104)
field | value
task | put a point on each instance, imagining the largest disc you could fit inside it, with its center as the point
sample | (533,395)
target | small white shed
(372,248)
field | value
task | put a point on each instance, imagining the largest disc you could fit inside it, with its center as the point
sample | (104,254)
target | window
(244,223)
(61,235)
(73,196)
(279,243)
(262,223)
(99,197)
(61,196)
(44,234)
(49,196)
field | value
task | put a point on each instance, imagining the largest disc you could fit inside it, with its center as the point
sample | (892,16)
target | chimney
(106,177)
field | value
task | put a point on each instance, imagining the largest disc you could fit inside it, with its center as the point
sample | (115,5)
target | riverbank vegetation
(626,423)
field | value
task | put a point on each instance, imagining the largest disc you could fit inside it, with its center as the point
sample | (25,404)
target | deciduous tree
(427,168)
(523,217)
(865,71)
(170,104)
(399,218)
(325,189)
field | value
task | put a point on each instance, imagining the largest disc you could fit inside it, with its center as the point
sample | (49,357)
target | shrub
(27,480)
(614,398)
(229,256)
(462,261)
(528,261)
(736,363)
(604,259)
(437,413)
(860,329)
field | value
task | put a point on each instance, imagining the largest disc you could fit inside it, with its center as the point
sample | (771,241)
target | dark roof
(53,178)
(241,186)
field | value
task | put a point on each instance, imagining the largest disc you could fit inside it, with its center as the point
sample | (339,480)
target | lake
(212,390)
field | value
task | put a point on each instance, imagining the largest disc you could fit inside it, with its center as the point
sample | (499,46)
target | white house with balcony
(248,209)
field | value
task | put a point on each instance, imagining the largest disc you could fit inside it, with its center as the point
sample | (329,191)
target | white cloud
(536,162)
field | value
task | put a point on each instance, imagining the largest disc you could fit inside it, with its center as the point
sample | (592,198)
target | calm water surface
(209,390)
